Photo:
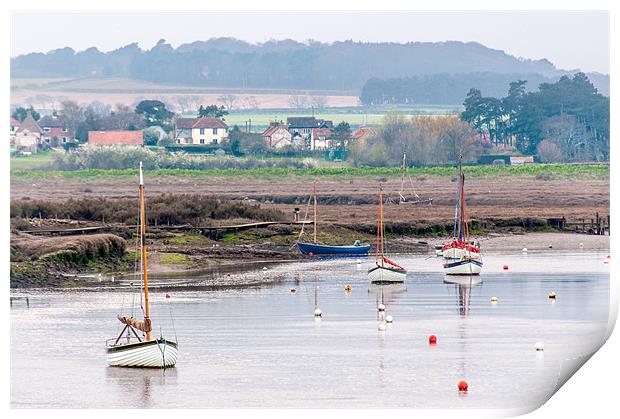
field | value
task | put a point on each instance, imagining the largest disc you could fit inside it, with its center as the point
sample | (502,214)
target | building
(14,125)
(277,136)
(28,135)
(115,138)
(521,160)
(362,134)
(56,132)
(320,139)
(303,125)
(203,130)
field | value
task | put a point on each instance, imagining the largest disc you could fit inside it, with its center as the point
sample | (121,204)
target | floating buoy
(494,300)
(347,288)
(463,386)
(539,346)
(551,295)
(505,267)
(310,254)
(581,245)
(264,268)
(550,246)
(389,319)
(318,313)
(381,307)
(381,327)
(432,339)
(167,295)
(524,250)
(293,290)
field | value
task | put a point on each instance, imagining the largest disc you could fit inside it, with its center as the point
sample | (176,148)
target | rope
(304,223)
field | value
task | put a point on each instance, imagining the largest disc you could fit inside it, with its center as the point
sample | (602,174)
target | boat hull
(159,353)
(456,253)
(321,249)
(465,266)
(386,275)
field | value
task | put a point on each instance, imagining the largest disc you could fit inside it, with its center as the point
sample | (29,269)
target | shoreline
(218,275)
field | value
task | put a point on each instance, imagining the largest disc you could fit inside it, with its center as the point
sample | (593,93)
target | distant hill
(342,66)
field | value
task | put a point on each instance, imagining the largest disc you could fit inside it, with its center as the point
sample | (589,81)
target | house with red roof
(276,136)
(320,138)
(120,137)
(362,134)
(204,130)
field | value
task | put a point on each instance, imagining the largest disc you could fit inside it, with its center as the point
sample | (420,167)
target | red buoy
(463,386)
(167,295)
(505,267)
(432,339)
(310,254)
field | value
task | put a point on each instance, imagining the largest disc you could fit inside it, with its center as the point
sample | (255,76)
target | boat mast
(147,319)
(380,232)
(314,223)
(402,180)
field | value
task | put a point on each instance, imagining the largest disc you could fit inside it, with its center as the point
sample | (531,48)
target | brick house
(277,136)
(56,132)
(28,135)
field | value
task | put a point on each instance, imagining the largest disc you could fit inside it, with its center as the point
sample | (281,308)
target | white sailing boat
(462,257)
(129,349)
(415,199)
(385,271)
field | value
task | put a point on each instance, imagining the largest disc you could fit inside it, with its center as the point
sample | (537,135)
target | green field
(33,162)
(544,171)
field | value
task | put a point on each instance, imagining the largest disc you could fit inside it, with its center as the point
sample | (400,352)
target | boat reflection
(463,286)
(144,382)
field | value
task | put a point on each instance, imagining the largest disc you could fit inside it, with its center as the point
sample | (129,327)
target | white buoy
(381,307)
(389,319)
(539,346)
(524,250)
(581,245)
(381,327)
(264,268)
(318,313)
(493,300)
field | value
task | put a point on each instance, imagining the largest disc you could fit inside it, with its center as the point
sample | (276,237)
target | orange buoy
(463,386)
(347,288)
(432,339)
(505,267)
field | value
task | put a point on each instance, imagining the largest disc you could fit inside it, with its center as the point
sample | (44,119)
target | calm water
(262,347)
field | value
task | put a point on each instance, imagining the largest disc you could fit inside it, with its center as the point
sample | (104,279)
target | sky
(569,39)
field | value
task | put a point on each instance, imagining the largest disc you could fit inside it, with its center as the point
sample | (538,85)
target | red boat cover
(461,245)
(386,260)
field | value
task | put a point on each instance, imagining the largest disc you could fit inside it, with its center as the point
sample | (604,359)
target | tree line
(286,64)
(563,121)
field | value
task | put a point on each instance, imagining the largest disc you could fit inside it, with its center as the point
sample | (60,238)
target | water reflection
(138,387)
(463,286)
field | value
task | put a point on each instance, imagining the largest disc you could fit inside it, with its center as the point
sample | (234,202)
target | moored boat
(131,348)
(384,271)
(315,248)
(462,255)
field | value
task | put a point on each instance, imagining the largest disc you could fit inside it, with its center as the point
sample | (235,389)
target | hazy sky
(570,40)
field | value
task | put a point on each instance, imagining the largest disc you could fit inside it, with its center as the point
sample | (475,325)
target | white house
(200,131)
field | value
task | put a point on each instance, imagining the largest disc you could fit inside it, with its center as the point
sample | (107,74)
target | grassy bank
(542,171)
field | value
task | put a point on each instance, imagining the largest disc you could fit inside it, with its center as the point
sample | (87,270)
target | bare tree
(298,102)
(568,134)
(251,102)
(184,103)
(228,99)
(318,102)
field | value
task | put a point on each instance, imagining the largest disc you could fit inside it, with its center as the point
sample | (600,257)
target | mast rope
(303,225)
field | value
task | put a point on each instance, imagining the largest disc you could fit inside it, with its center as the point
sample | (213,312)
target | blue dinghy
(321,249)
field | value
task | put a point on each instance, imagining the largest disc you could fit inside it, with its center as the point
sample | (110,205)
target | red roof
(269,131)
(362,133)
(205,122)
(115,137)
(14,122)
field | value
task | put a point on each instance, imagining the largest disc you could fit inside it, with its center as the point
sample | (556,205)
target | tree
(318,102)
(298,102)
(212,111)
(122,118)
(150,136)
(341,134)
(154,113)
(20,113)
(229,100)
(548,152)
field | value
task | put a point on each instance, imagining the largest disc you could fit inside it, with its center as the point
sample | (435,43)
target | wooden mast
(147,319)
(381,224)
(402,180)
(314,223)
